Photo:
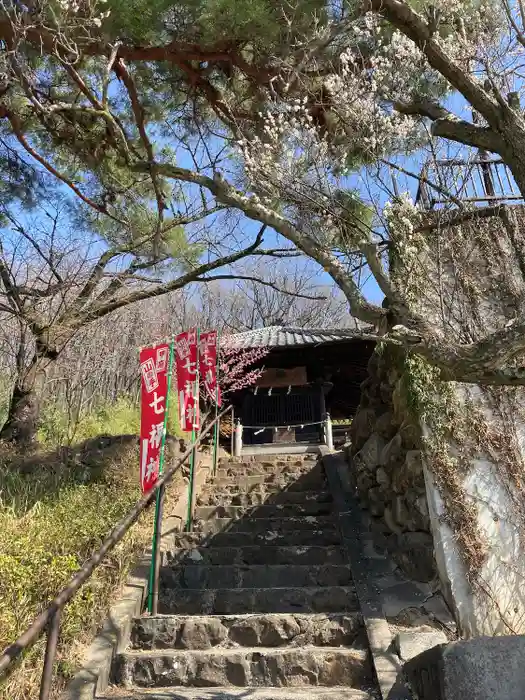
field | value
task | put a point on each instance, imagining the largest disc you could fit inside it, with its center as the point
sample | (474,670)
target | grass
(119,418)
(56,428)
(54,512)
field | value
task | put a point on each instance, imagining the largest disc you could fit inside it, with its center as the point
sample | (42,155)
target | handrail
(193,472)
(50,617)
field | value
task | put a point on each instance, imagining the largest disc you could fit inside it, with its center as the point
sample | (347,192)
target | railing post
(238,439)
(191,488)
(157,552)
(328,435)
(195,457)
(232,449)
(49,658)
(216,439)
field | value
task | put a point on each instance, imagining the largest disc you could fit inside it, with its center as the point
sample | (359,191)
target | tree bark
(23,416)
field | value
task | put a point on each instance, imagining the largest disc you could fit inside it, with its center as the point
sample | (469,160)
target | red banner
(154,370)
(186,359)
(208,365)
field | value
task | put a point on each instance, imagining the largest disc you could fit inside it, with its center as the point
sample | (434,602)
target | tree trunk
(24,409)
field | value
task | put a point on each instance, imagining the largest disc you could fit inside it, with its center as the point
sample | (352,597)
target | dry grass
(54,512)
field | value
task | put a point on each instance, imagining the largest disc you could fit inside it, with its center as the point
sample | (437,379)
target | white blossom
(401,218)
(93,12)
(375,73)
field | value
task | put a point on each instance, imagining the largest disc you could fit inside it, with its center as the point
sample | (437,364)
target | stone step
(235,601)
(226,631)
(258,495)
(262,468)
(309,482)
(270,459)
(246,668)
(257,555)
(310,522)
(334,693)
(273,576)
(271,539)
(279,510)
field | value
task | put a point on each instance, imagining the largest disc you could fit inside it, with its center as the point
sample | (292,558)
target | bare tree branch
(254,209)
(264,283)
(99,310)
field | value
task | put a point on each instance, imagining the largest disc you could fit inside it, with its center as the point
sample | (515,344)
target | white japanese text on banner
(154,383)
(186,362)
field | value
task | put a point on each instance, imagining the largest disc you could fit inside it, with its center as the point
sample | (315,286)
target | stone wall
(441,466)
(475,285)
(386,465)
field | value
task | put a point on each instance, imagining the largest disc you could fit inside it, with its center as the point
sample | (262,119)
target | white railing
(239,429)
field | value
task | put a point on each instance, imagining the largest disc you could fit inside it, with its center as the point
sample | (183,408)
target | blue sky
(273,239)
(369,190)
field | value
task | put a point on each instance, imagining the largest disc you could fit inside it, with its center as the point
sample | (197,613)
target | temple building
(308,373)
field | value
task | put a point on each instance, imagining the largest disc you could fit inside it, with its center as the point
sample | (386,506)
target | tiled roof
(282,336)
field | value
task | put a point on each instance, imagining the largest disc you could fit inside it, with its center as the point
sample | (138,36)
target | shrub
(52,518)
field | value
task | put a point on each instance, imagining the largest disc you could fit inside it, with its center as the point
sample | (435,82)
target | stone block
(418,508)
(368,457)
(437,608)
(385,391)
(386,425)
(422,505)
(249,556)
(413,462)
(399,401)
(381,534)
(390,522)
(410,434)
(485,668)
(166,632)
(257,525)
(244,667)
(365,481)
(198,576)
(376,498)
(398,594)
(382,478)
(391,451)
(201,636)
(300,538)
(410,644)
(362,427)
(400,511)
(414,555)
(326,599)
(410,473)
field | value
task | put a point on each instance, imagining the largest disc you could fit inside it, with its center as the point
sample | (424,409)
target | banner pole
(216,428)
(189,516)
(155,549)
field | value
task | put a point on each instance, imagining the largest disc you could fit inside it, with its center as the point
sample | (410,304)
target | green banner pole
(216,428)
(157,501)
(192,456)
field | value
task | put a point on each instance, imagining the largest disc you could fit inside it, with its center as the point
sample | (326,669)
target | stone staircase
(258,602)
